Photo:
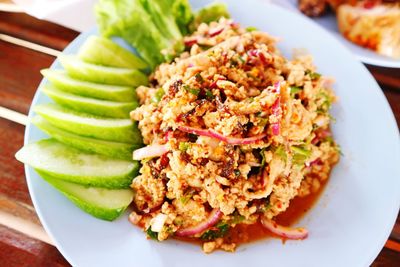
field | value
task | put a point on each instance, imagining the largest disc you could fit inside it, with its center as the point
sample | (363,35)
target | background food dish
(348,220)
(328,21)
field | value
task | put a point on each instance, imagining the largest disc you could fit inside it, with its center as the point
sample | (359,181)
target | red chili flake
(214,85)
(253,52)
(370,4)
(164,160)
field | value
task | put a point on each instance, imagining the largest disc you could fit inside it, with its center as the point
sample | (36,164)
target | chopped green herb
(192,137)
(187,196)
(220,230)
(204,47)
(280,152)
(262,152)
(184,146)
(237,218)
(250,99)
(266,206)
(251,29)
(209,95)
(325,102)
(313,75)
(199,78)
(301,150)
(295,89)
(233,62)
(263,122)
(193,91)
(151,234)
(242,59)
(237,172)
(158,95)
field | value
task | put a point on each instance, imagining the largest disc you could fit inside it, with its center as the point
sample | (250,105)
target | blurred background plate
(328,22)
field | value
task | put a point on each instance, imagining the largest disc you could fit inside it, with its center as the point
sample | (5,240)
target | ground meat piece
(149,191)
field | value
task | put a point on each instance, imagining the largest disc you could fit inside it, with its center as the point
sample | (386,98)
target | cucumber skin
(61,80)
(96,211)
(99,74)
(103,51)
(80,104)
(127,133)
(87,144)
(119,181)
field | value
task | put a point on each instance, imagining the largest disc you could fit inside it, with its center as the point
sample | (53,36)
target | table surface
(22,240)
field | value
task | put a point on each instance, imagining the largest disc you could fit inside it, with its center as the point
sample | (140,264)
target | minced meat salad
(234,131)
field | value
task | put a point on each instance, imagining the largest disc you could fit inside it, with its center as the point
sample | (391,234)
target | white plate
(348,226)
(329,23)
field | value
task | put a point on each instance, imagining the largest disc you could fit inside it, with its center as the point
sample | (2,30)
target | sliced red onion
(190,42)
(276,126)
(212,219)
(150,151)
(320,135)
(192,130)
(254,164)
(277,87)
(317,161)
(215,32)
(258,56)
(236,141)
(216,135)
(285,232)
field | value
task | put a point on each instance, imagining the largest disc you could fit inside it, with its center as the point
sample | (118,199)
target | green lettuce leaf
(209,13)
(130,20)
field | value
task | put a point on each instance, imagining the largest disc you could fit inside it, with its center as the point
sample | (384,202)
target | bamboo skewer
(14,116)
(30,45)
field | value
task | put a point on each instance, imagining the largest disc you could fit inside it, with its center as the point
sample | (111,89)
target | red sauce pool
(243,233)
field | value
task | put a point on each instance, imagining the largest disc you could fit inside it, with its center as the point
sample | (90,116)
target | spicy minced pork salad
(234,131)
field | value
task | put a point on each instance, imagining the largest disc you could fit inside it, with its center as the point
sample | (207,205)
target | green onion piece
(280,152)
(151,234)
(301,154)
(251,29)
(193,91)
(295,89)
(158,95)
(221,229)
(237,218)
(262,152)
(199,78)
(184,146)
(313,75)
(209,95)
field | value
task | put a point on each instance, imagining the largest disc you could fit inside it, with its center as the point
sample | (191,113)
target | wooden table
(19,78)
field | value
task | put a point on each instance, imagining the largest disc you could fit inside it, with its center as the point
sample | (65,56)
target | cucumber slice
(103,51)
(70,164)
(89,105)
(108,148)
(106,204)
(119,130)
(80,70)
(62,81)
